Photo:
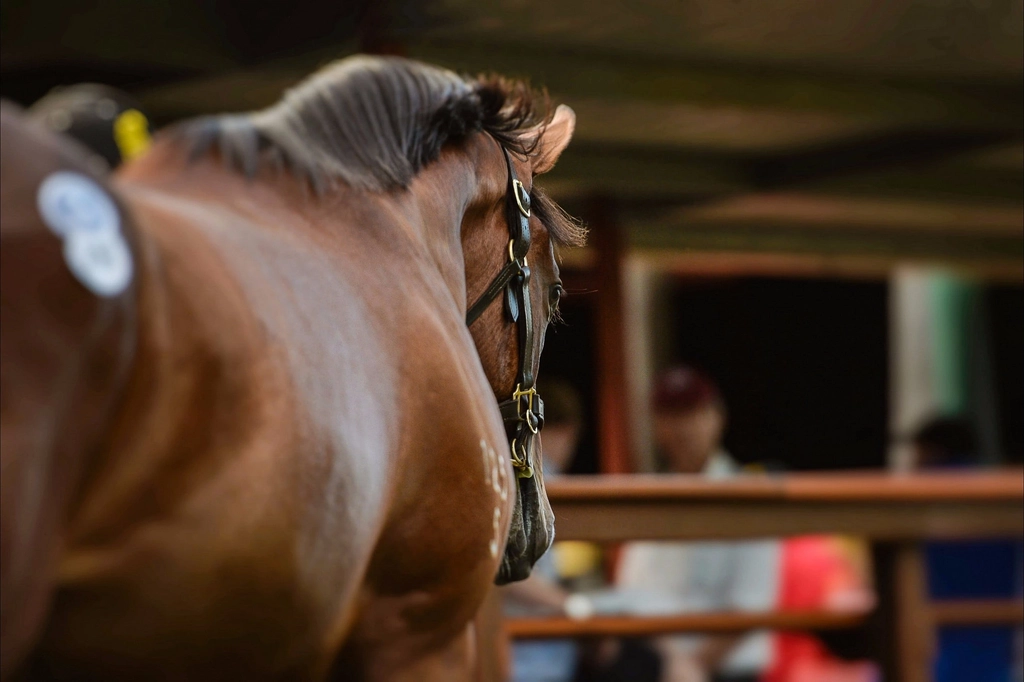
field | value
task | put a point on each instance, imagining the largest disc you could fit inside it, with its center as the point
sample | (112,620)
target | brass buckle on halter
(520,463)
(512,255)
(530,418)
(517,187)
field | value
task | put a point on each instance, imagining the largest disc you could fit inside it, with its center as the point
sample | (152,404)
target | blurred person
(109,122)
(549,660)
(689,422)
(969,569)
(800,573)
(820,573)
(944,441)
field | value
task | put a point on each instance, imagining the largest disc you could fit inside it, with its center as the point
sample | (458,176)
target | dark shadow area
(569,355)
(802,364)
(1005,305)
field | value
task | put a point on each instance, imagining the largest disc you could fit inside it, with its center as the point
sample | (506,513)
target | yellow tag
(574,559)
(131,133)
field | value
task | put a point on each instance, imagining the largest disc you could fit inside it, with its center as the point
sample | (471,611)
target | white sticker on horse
(81,212)
(70,202)
(100,260)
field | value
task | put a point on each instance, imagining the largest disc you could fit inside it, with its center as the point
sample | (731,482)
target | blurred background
(817,206)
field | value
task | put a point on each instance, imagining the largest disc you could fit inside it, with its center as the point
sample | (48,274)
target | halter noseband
(523,413)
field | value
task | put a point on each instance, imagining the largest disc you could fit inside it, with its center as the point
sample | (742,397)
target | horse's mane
(374,122)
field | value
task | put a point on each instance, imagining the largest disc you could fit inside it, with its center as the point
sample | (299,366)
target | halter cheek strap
(523,413)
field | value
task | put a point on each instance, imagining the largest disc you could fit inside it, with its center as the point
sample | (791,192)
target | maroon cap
(683,388)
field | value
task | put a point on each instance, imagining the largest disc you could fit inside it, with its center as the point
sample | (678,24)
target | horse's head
(513,288)
(374,123)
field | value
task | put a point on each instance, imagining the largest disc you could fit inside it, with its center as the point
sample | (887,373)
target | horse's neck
(201,343)
(192,337)
(435,205)
(199,340)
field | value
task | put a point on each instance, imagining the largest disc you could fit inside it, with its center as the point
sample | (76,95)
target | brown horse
(247,432)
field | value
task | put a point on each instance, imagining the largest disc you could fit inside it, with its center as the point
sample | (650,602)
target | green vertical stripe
(952,299)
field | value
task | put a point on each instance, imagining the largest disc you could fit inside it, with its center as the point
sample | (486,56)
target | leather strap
(497,285)
(519,246)
(512,409)
(523,414)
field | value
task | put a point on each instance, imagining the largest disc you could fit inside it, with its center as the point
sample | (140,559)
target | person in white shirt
(674,577)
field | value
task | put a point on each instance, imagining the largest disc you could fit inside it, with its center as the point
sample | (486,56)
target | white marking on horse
(494,474)
(502,477)
(80,212)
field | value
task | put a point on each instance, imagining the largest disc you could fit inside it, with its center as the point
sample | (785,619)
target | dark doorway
(1005,307)
(802,364)
(569,355)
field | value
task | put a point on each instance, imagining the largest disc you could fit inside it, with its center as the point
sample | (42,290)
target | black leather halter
(523,413)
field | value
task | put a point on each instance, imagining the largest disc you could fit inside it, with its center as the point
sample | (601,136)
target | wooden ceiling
(881,128)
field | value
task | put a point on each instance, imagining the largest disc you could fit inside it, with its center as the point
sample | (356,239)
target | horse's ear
(554,138)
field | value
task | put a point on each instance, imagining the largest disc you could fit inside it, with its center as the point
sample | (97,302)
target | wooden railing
(877,506)
(977,612)
(896,512)
(636,626)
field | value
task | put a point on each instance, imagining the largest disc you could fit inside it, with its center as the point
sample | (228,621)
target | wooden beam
(613,425)
(675,232)
(831,212)
(913,629)
(964,612)
(1000,485)
(604,73)
(947,181)
(638,173)
(632,171)
(910,145)
(226,92)
(643,626)
(818,266)
(876,506)
(978,612)
(708,520)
